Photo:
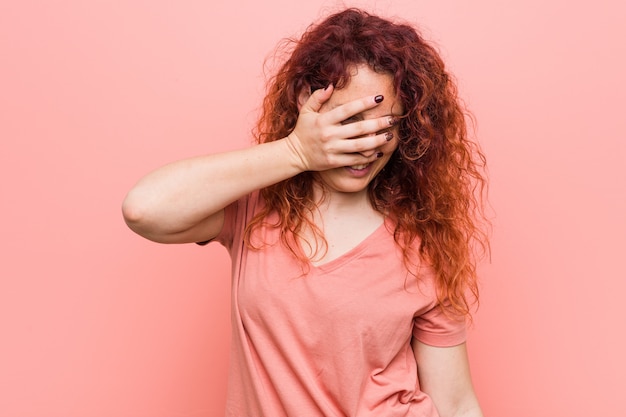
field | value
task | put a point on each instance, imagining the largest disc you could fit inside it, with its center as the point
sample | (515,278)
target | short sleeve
(435,328)
(225,236)
(237,215)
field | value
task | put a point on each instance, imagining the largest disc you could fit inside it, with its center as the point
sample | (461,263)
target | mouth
(359,171)
(359,167)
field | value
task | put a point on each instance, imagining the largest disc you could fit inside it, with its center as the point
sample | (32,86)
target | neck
(333,202)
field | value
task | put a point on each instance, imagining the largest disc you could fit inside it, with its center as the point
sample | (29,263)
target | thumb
(318,98)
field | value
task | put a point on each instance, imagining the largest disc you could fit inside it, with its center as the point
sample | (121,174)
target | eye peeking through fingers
(359,118)
(352,119)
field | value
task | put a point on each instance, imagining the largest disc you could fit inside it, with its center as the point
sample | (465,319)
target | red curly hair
(433,185)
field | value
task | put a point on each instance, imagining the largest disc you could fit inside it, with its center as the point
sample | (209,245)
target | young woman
(351,225)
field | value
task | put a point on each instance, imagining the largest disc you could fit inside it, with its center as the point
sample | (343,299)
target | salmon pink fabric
(329,340)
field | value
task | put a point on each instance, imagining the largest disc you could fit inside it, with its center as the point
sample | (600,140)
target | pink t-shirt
(333,342)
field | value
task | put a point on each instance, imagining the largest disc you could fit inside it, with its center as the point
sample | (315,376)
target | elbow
(145,218)
(135,214)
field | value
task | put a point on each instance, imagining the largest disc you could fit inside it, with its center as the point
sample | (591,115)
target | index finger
(341,112)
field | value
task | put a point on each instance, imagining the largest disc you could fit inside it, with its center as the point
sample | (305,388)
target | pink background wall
(96,322)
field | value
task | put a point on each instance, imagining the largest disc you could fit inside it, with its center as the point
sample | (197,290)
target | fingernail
(378,98)
(392,121)
(379,154)
(388,136)
(326,88)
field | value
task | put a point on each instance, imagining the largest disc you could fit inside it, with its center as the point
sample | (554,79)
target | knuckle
(326,136)
(331,160)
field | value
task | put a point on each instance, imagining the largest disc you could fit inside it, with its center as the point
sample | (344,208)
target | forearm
(444,375)
(472,411)
(178,196)
(465,405)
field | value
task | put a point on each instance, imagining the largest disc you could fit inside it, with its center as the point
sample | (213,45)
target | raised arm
(184,201)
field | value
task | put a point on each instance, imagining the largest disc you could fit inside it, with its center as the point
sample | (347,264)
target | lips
(359,171)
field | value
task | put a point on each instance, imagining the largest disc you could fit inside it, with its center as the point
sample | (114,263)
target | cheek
(384,160)
(391,146)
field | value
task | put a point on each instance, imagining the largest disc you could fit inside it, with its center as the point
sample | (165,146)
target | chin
(348,188)
(343,185)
